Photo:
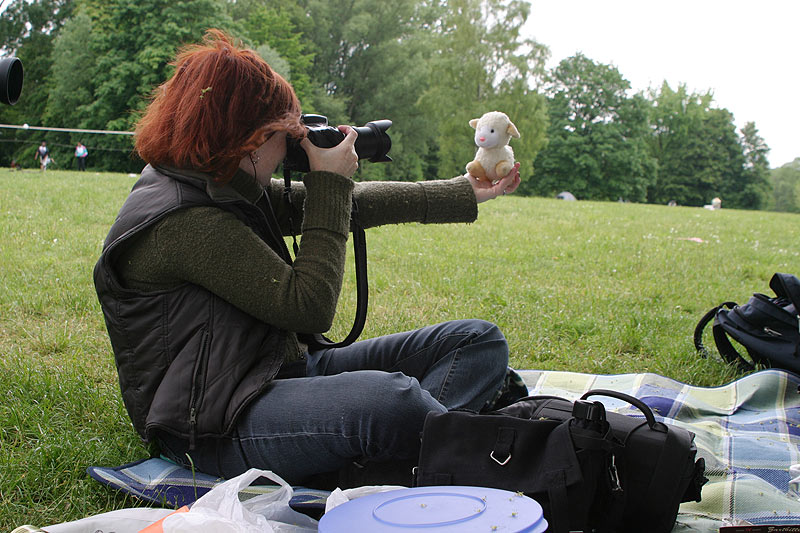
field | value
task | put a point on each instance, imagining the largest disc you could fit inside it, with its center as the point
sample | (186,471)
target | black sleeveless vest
(188,361)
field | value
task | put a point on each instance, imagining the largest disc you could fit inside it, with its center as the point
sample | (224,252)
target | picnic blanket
(162,482)
(748,432)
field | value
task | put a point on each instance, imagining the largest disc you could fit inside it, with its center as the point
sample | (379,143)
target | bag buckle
(503,445)
(585,410)
(614,475)
(496,460)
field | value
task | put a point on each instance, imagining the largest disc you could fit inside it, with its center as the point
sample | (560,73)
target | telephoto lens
(10,80)
(373,143)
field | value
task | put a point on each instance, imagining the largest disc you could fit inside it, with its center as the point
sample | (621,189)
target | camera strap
(318,340)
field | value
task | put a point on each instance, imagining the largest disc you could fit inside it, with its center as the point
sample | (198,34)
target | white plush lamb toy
(494,158)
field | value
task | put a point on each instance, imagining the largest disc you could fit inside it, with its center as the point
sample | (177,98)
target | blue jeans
(365,402)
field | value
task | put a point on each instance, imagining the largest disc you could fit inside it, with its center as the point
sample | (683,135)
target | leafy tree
(273,26)
(70,73)
(785,183)
(677,144)
(27,31)
(370,63)
(132,43)
(481,64)
(700,154)
(597,135)
(70,86)
(718,160)
(752,189)
(275,60)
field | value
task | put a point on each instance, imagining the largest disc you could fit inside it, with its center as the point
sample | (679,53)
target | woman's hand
(340,159)
(489,191)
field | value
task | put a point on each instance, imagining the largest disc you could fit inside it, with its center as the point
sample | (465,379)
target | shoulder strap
(727,351)
(317,340)
(663,478)
(362,293)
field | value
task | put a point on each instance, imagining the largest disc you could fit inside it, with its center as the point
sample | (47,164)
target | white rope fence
(72,130)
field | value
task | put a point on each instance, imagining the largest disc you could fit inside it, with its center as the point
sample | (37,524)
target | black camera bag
(766,327)
(590,470)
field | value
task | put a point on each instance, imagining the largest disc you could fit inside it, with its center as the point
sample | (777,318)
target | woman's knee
(393,409)
(490,340)
(397,397)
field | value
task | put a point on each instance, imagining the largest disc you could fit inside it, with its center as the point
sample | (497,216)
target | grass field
(581,286)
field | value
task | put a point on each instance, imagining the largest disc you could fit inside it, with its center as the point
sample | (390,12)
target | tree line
(428,65)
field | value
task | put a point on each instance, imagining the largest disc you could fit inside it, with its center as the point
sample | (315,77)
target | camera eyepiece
(10,80)
(373,142)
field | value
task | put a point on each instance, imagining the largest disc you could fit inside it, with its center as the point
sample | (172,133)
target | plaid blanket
(164,483)
(748,431)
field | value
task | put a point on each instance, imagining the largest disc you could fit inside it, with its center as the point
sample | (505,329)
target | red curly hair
(222,102)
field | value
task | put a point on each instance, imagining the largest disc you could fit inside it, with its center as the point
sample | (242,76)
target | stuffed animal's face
(489,136)
(493,129)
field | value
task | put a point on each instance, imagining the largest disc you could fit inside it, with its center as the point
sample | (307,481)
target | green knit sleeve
(212,248)
(320,200)
(428,202)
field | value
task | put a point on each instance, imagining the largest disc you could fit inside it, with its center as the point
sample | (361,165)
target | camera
(10,80)
(372,143)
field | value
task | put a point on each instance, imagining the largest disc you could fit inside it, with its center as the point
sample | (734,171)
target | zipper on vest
(192,427)
(196,395)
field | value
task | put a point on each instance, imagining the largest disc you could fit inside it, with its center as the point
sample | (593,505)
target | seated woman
(207,312)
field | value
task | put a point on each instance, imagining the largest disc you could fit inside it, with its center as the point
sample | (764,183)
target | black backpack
(766,327)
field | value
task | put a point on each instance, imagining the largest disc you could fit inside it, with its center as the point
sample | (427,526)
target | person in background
(42,155)
(80,154)
(209,316)
(46,161)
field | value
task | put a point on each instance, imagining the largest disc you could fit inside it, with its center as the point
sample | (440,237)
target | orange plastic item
(156,527)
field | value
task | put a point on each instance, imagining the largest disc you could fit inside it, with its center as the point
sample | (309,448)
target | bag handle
(724,346)
(701,325)
(542,397)
(788,286)
(636,402)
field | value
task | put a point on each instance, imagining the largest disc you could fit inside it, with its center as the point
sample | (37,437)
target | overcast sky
(746,52)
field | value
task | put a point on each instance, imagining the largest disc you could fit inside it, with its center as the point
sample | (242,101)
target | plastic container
(437,510)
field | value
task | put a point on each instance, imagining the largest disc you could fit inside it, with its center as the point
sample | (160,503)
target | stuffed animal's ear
(474,123)
(512,130)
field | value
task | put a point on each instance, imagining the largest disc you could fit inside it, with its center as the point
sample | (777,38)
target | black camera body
(372,143)
(10,80)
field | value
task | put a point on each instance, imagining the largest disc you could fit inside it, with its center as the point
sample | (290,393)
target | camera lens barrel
(11,75)
(373,142)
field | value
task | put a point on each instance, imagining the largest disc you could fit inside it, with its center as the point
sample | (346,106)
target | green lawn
(582,286)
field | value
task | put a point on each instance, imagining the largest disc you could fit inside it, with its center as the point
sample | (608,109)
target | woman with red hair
(207,312)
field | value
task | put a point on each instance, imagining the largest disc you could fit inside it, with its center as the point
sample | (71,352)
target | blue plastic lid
(439,510)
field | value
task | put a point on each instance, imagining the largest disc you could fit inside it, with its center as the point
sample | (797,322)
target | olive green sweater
(210,247)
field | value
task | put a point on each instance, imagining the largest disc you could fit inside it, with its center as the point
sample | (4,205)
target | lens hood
(11,75)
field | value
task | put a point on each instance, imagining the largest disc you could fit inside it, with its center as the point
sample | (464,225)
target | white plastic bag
(220,510)
(120,521)
(339,496)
